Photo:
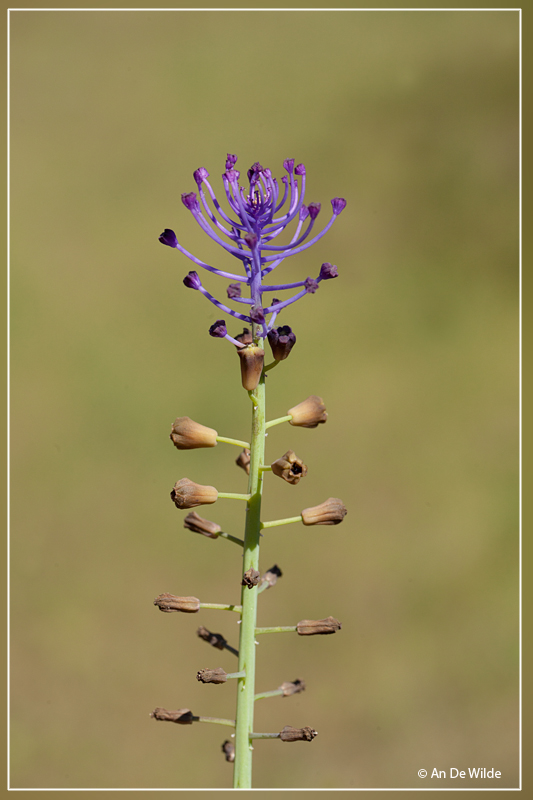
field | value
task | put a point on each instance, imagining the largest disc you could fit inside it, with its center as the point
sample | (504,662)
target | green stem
(242,775)
(277,629)
(233,441)
(235,675)
(264,736)
(265,468)
(273,693)
(216,720)
(277,421)
(271,366)
(275,522)
(231,538)
(234,496)
(222,606)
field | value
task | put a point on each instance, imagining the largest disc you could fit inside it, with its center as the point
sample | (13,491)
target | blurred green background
(413,117)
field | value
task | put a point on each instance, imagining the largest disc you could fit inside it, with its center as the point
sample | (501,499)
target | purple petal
(192,281)
(190,201)
(327,271)
(339,204)
(314,210)
(169,238)
(233,290)
(218,329)
(200,175)
(310,285)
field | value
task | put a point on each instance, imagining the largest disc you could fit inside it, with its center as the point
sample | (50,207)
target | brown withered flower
(281,340)
(289,734)
(331,512)
(194,522)
(311,627)
(188,434)
(169,602)
(245,337)
(214,639)
(228,748)
(271,576)
(250,578)
(289,467)
(252,359)
(212,675)
(187,494)
(308,414)
(243,461)
(288,688)
(183,716)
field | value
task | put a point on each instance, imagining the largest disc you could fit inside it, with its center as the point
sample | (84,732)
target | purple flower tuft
(232,175)
(304,213)
(300,170)
(254,172)
(288,164)
(251,240)
(234,290)
(257,315)
(218,329)
(314,210)
(230,161)
(192,281)
(310,285)
(190,201)
(339,204)
(200,175)
(169,238)
(328,270)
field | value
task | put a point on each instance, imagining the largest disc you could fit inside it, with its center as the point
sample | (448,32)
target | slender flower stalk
(258,214)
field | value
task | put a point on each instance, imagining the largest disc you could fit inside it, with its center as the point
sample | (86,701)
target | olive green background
(413,117)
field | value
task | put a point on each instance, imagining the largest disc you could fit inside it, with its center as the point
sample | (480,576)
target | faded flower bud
(188,434)
(310,627)
(169,602)
(243,460)
(309,413)
(252,359)
(233,290)
(289,467)
(228,748)
(250,578)
(293,687)
(194,522)
(183,716)
(214,639)
(187,494)
(289,734)
(331,512)
(245,337)
(281,340)
(212,675)
(271,576)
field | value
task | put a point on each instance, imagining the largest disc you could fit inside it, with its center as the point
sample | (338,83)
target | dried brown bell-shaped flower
(245,337)
(293,687)
(188,434)
(252,359)
(243,461)
(183,716)
(289,467)
(310,627)
(169,602)
(289,734)
(228,748)
(187,494)
(250,578)
(309,413)
(214,639)
(330,512)
(194,522)
(212,675)
(281,340)
(271,576)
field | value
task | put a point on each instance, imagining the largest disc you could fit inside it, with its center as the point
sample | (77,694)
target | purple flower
(327,271)
(249,230)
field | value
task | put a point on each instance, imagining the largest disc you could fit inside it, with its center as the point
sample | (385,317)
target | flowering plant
(249,232)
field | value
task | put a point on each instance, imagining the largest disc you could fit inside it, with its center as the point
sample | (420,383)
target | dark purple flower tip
(234,290)
(169,238)
(339,204)
(218,329)
(300,170)
(250,239)
(254,171)
(310,285)
(257,315)
(192,281)
(232,175)
(281,340)
(304,213)
(230,161)
(200,175)
(267,172)
(274,301)
(285,179)
(190,201)
(314,210)
(289,164)
(328,270)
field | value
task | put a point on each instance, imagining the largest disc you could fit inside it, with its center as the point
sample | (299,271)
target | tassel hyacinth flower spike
(258,213)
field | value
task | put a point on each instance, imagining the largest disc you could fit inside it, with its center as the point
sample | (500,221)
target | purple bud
(234,290)
(339,204)
(304,213)
(310,285)
(250,239)
(192,281)
(232,175)
(230,161)
(200,175)
(328,270)
(169,238)
(267,172)
(281,340)
(314,210)
(300,170)
(289,164)
(274,301)
(285,179)
(190,201)
(257,315)
(218,329)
